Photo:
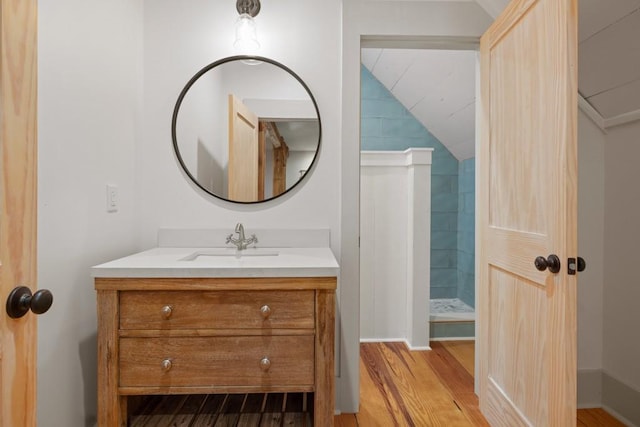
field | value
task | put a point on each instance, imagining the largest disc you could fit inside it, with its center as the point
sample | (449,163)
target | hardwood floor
(422,388)
(597,417)
(427,388)
(398,387)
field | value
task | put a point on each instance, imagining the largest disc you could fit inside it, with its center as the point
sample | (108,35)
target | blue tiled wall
(466,231)
(387,125)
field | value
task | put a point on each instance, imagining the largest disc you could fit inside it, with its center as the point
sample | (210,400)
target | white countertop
(222,262)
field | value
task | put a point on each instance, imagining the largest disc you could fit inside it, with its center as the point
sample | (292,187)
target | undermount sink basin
(230,252)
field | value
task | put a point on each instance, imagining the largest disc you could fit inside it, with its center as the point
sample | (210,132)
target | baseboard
(370,340)
(620,399)
(599,389)
(454,339)
(366,340)
(409,346)
(417,348)
(619,417)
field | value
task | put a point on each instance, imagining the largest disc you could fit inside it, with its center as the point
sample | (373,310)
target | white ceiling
(609,55)
(438,86)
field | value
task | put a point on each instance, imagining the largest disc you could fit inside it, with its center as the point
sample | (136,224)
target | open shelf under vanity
(241,409)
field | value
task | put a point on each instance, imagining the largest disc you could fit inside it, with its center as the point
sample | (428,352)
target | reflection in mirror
(246,133)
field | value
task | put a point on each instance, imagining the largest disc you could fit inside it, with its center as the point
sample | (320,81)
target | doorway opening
(417,99)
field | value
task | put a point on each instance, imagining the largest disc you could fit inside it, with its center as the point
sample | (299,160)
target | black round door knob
(582,264)
(20,301)
(552,262)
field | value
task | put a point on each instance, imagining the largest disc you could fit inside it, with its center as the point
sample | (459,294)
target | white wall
(296,162)
(621,239)
(182,37)
(493,7)
(591,211)
(591,149)
(203,116)
(88,105)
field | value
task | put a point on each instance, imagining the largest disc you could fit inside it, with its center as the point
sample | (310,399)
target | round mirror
(246,129)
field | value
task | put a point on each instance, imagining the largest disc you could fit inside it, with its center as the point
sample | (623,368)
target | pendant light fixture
(246,35)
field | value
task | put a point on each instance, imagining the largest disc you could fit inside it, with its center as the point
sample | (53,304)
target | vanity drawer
(216,309)
(217,361)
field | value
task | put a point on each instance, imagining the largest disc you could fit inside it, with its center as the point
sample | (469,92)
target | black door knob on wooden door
(552,262)
(21,300)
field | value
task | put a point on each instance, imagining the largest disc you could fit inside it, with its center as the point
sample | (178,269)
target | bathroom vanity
(216,320)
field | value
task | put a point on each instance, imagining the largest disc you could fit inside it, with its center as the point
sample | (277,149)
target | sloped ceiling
(438,87)
(609,56)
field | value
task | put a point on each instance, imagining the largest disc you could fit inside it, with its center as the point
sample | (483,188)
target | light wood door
(244,152)
(528,208)
(18,146)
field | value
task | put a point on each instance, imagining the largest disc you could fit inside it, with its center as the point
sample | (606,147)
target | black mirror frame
(202,72)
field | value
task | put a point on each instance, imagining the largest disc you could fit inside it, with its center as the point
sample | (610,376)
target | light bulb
(246,35)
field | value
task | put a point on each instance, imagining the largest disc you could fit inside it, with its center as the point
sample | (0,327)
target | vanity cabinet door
(261,362)
(216,310)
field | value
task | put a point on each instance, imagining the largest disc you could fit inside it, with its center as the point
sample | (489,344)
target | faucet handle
(255,239)
(229,237)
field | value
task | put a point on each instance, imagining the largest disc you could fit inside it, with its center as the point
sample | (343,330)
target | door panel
(18,156)
(517,314)
(527,207)
(244,152)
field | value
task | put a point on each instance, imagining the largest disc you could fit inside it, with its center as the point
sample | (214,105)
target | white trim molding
(622,119)
(599,389)
(606,123)
(454,339)
(408,157)
(374,340)
(620,399)
(591,112)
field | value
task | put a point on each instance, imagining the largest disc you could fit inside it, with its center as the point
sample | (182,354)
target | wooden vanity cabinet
(214,335)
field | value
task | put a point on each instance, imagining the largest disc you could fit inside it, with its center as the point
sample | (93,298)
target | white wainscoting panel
(395,224)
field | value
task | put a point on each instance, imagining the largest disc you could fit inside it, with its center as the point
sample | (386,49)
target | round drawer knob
(265,364)
(265,311)
(166,365)
(167,310)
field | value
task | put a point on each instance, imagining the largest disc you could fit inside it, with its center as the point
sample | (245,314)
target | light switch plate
(112,198)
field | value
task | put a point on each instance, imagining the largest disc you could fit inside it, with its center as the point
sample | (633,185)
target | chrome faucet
(241,242)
